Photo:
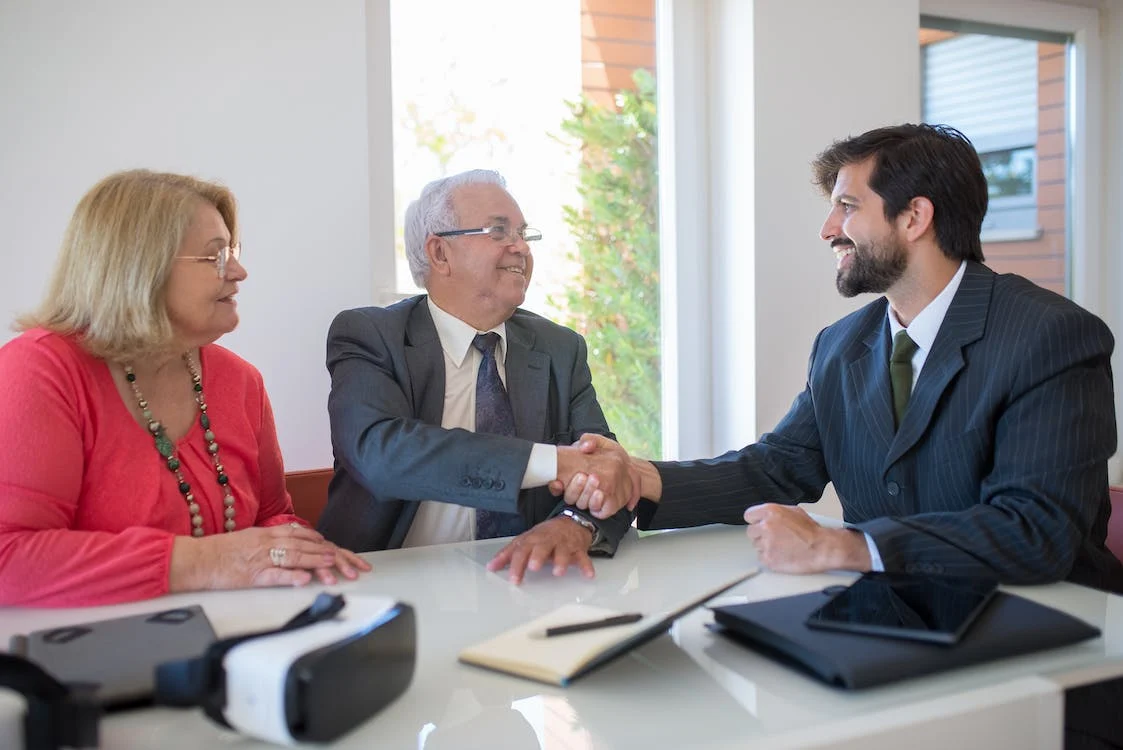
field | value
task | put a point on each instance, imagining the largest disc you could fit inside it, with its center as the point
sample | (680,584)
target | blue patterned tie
(493,415)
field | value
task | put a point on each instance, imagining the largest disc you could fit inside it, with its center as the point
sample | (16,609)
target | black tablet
(924,608)
(119,655)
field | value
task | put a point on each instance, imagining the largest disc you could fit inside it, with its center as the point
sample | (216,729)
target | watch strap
(583,520)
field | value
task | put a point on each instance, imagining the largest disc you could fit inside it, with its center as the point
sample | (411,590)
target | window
(559,98)
(987,87)
(1010,173)
(1005,90)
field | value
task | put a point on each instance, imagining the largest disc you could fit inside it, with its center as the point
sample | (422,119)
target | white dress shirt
(922,331)
(445,522)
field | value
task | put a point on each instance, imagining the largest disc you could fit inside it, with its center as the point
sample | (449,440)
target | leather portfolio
(1009,626)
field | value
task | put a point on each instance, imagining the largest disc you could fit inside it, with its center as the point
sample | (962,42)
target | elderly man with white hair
(451,411)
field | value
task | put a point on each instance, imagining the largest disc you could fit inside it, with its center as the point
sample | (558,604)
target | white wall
(268,96)
(819,74)
(813,72)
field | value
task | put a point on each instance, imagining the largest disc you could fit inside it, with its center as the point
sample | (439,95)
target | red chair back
(1115,524)
(309,491)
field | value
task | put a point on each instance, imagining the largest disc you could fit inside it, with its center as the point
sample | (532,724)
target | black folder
(1009,626)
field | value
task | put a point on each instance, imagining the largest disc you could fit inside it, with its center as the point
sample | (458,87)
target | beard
(873,267)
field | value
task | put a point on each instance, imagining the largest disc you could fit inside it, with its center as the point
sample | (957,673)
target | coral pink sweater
(88,509)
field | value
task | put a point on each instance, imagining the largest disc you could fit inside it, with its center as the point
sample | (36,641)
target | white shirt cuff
(542,467)
(876,564)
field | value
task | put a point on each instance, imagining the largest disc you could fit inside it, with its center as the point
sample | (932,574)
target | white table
(689,688)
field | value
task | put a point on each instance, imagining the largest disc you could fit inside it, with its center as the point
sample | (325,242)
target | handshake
(597,475)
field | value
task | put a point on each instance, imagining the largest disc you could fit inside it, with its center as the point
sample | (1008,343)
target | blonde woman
(137,457)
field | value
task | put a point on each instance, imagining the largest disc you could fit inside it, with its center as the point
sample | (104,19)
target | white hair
(433,212)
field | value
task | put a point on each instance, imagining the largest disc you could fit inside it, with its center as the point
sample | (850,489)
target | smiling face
(870,254)
(474,277)
(201,305)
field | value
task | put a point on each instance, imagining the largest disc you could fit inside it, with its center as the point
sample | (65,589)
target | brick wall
(617,36)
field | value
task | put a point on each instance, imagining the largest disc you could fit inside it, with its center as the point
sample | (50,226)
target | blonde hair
(109,285)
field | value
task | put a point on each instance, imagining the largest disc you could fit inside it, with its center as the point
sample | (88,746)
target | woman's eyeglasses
(220,259)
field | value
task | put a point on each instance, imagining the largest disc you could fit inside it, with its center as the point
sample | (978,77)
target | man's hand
(559,539)
(787,540)
(597,475)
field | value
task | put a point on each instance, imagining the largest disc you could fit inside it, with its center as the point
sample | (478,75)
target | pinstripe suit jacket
(999,466)
(386,404)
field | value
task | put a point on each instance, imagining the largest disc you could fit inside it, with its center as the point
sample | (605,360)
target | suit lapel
(528,380)
(426,364)
(963,324)
(869,381)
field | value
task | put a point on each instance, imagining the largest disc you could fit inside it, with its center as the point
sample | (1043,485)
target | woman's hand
(346,562)
(273,556)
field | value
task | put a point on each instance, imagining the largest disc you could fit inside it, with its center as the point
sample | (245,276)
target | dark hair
(934,161)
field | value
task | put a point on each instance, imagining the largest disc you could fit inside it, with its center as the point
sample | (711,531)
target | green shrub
(614,301)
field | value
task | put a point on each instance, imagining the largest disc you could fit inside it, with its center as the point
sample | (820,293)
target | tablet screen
(937,609)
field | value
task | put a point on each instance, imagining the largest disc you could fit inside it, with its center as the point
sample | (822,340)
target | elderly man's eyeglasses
(220,259)
(499,233)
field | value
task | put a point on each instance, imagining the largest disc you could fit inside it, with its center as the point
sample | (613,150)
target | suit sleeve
(1040,498)
(586,416)
(394,454)
(784,466)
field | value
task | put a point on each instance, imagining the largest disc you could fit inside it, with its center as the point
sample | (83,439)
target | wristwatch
(579,518)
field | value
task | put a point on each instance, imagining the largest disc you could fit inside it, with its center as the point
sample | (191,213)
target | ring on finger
(277,556)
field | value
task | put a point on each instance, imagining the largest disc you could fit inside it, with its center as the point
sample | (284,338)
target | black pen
(580,627)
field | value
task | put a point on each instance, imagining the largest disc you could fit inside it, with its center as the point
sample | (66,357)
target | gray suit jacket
(999,467)
(386,404)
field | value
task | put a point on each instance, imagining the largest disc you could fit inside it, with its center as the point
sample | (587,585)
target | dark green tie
(900,372)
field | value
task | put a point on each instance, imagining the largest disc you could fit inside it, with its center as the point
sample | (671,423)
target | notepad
(523,652)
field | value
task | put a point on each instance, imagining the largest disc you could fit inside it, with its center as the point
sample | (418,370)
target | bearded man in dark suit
(966,418)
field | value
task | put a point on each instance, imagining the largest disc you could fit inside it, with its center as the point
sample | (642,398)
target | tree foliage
(614,301)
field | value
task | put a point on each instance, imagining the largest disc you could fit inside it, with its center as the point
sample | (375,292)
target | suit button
(488,484)
(893,488)
(465,482)
(476,483)
(500,484)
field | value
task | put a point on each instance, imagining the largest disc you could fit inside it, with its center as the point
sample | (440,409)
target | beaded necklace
(166,448)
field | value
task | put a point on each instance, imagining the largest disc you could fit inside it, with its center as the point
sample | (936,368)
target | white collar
(456,336)
(924,327)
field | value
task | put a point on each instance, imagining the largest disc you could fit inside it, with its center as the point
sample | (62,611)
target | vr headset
(58,714)
(323,673)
